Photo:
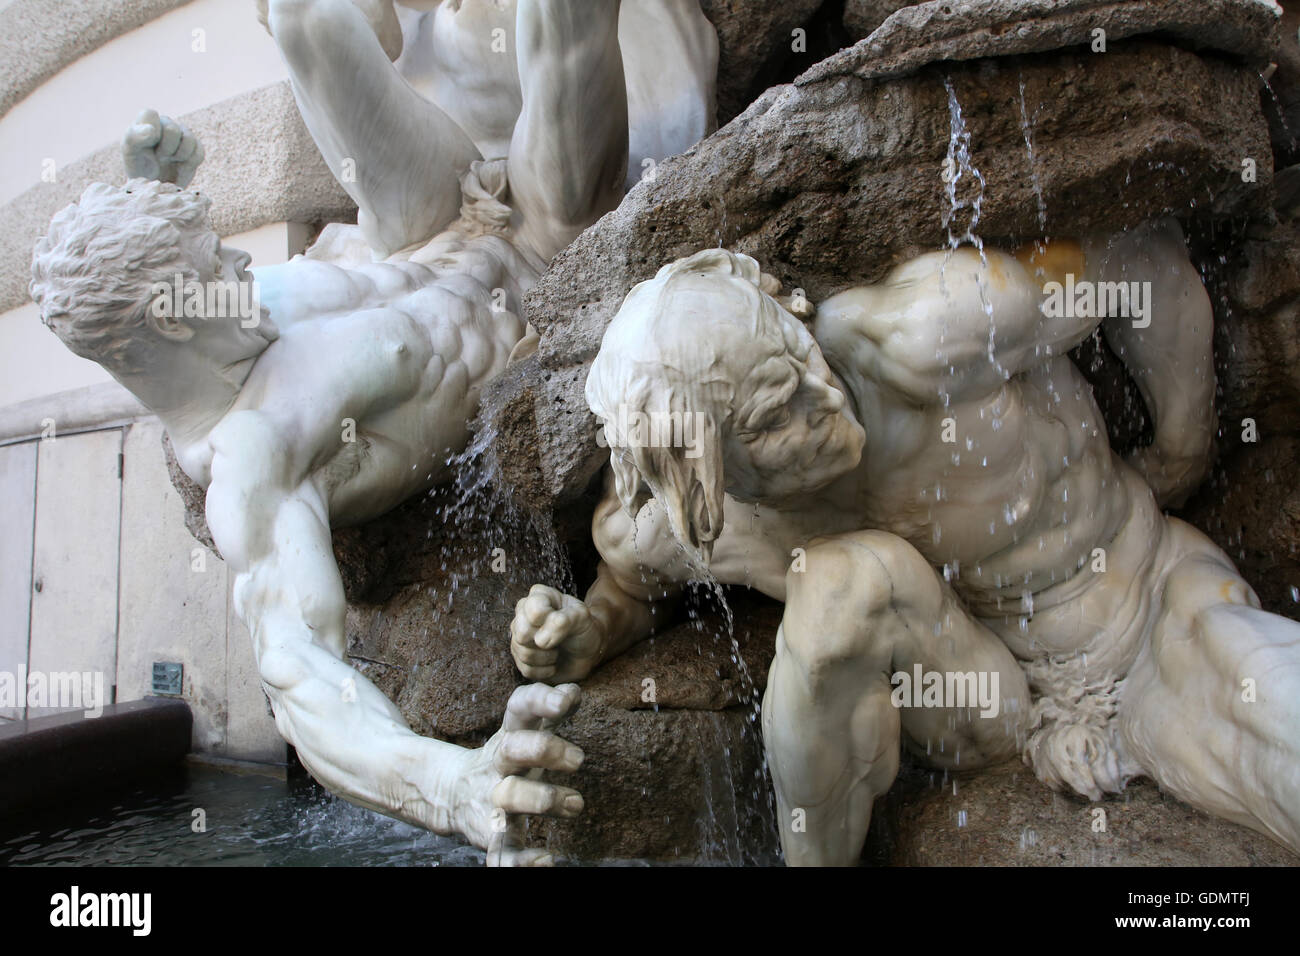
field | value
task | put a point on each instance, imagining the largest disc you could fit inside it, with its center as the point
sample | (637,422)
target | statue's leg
(670,58)
(864,607)
(1211,708)
(568,153)
(397,155)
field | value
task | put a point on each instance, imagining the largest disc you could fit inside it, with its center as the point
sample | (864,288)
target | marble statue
(922,476)
(341,384)
(454,95)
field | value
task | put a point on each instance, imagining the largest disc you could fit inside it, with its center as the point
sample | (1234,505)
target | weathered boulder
(861,17)
(921,33)
(1250,505)
(835,178)
(754,40)
(1003,816)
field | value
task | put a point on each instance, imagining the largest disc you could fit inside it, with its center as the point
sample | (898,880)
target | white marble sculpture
(454,94)
(925,480)
(339,389)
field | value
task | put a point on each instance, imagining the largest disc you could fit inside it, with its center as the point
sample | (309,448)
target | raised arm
(274,533)
(1169,351)
(954,326)
(568,155)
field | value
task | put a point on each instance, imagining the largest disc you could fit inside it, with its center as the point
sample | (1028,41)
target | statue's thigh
(868,606)
(1211,709)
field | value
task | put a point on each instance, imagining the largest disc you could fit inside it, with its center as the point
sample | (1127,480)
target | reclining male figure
(930,421)
(258,408)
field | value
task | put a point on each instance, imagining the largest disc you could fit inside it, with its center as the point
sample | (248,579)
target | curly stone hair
(93,274)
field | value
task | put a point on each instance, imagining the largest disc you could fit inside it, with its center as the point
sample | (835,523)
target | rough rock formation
(754,40)
(835,178)
(1004,817)
(861,17)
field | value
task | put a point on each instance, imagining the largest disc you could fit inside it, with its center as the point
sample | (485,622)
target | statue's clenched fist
(158,147)
(554,636)
(502,779)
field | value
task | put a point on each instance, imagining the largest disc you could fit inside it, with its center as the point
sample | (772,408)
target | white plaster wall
(74,565)
(17,514)
(92,101)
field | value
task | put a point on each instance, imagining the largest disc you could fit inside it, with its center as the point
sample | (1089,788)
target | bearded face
(704,342)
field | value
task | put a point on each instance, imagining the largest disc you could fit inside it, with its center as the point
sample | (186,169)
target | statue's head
(97,276)
(705,349)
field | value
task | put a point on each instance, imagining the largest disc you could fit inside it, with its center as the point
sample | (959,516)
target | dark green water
(250,821)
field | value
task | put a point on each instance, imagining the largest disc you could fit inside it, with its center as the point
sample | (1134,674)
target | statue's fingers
(505,840)
(530,704)
(172,134)
(505,849)
(557,626)
(537,607)
(534,656)
(521,795)
(523,708)
(538,672)
(185,171)
(149,123)
(521,632)
(522,750)
(538,856)
(188,147)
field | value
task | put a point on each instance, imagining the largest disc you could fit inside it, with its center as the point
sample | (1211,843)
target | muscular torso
(379,366)
(1013,504)
(1017,502)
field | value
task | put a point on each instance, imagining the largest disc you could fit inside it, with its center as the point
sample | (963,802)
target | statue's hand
(158,147)
(554,637)
(502,781)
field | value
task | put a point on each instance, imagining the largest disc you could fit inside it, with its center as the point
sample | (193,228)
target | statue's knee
(839,594)
(864,569)
(835,573)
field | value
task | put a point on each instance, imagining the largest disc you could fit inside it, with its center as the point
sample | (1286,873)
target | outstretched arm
(956,325)
(568,155)
(1169,351)
(274,533)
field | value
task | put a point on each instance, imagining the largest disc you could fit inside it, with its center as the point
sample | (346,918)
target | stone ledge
(38,38)
(927,33)
(49,759)
(76,410)
(262,167)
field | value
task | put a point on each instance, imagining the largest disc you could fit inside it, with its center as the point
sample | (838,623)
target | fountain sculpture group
(914,467)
